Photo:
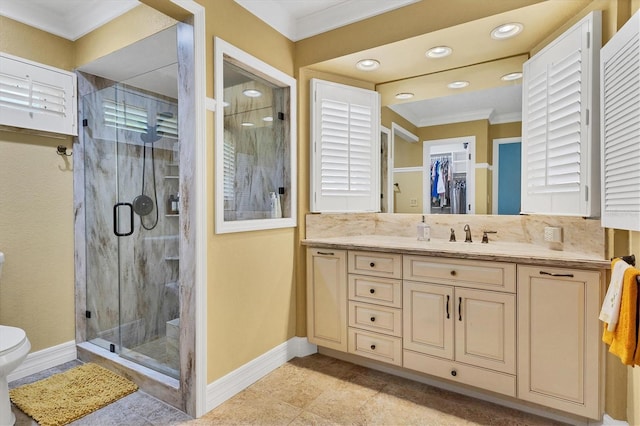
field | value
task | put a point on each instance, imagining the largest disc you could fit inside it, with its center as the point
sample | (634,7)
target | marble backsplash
(579,234)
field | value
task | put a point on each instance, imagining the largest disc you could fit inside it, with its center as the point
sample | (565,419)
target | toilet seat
(11,338)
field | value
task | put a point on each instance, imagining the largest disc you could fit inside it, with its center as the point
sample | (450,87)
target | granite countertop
(495,250)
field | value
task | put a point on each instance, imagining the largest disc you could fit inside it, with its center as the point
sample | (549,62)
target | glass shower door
(132,261)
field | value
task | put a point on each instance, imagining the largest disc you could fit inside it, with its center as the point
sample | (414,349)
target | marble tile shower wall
(579,234)
(261,153)
(131,281)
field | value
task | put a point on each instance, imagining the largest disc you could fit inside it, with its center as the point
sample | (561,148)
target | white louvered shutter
(38,97)
(560,114)
(345,161)
(620,97)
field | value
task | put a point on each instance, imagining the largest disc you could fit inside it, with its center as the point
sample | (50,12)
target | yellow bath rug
(65,397)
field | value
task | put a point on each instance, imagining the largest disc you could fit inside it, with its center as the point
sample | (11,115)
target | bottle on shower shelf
(274,205)
(172,204)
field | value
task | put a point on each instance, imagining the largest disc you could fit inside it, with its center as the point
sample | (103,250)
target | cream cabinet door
(485,329)
(428,318)
(327,298)
(559,339)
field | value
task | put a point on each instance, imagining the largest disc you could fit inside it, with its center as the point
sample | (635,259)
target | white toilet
(14,347)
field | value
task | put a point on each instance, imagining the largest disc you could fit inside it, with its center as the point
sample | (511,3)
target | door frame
(471,170)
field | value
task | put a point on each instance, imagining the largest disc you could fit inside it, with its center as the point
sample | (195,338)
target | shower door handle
(115,219)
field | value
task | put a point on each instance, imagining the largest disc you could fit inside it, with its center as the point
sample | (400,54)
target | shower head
(151,135)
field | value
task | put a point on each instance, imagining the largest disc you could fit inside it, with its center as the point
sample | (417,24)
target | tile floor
(314,390)
(318,390)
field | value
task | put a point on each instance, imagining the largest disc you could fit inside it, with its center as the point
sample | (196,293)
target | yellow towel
(623,340)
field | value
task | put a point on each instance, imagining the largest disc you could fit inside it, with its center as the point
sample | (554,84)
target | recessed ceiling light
(246,124)
(506,30)
(368,65)
(404,95)
(438,52)
(511,76)
(252,93)
(458,84)
(267,118)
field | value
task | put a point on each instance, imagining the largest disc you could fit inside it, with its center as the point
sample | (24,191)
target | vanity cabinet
(559,346)
(375,302)
(528,332)
(327,298)
(455,329)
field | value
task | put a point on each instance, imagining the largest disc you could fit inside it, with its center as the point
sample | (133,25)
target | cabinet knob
(373,347)
(453,273)
(454,373)
(373,319)
(372,290)
(372,264)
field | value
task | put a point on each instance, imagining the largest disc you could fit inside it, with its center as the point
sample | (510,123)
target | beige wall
(36,235)
(251,292)
(410,186)
(36,211)
(36,45)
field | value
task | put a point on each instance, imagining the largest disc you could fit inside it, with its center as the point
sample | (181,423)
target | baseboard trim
(45,358)
(229,385)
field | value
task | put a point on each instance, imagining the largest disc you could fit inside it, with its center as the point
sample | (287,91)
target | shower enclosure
(131,179)
(134,191)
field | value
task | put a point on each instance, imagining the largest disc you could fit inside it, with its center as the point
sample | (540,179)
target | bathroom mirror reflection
(255,147)
(489,108)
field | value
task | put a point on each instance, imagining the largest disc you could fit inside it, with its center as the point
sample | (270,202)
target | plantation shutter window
(620,130)
(559,127)
(345,148)
(37,97)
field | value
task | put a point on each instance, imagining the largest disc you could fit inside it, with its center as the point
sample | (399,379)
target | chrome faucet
(467,237)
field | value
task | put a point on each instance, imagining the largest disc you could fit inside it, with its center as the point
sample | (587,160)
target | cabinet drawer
(377,264)
(375,346)
(464,273)
(461,373)
(375,318)
(381,291)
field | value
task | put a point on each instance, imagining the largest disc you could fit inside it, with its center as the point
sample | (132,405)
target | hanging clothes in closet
(459,196)
(440,184)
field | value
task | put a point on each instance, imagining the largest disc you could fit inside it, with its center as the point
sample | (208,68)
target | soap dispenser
(423,231)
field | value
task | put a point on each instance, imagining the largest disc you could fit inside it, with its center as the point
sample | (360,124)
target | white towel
(611,305)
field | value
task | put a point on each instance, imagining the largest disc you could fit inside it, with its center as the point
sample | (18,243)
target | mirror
(255,143)
(488,109)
